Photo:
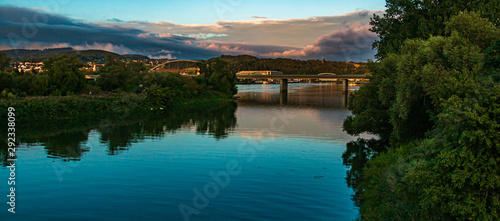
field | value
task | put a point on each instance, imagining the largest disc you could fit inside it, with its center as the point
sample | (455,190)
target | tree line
(62,76)
(292,66)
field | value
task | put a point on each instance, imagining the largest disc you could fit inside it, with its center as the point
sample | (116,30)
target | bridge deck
(301,76)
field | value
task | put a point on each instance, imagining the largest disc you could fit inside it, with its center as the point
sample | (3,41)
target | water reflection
(217,121)
(356,157)
(296,173)
(325,95)
(67,141)
(66,146)
(119,138)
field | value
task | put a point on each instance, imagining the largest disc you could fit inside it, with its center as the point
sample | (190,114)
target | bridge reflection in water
(284,82)
(318,95)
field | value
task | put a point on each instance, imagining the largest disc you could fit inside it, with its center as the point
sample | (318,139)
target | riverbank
(112,105)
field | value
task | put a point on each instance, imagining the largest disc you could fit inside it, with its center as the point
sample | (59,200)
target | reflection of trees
(216,121)
(67,146)
(4,153)
(60,139)
(63,144)
(64,139)
(355,157)
(119,138)
(4,145)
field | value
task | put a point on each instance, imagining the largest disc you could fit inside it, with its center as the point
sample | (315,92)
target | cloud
(287,32)
(256,16)
(343,37)
(352,43)
(119,49)
(206,35)
(49,29)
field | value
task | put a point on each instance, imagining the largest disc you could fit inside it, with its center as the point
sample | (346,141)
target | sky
(332,30)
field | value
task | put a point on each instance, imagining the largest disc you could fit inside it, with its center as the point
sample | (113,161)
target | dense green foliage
(118,75)
(62,75)
(434,102)
(412,19)
(218,76)
(64,108)
(407,87)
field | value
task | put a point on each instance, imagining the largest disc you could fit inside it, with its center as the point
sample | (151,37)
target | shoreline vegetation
(60,90)
(434,101)
(114,105)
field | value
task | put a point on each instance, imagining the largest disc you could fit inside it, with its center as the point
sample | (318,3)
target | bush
(160,96)
(65,76)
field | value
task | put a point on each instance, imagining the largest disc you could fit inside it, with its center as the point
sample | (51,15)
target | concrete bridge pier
(345,91)
(283,91)
(345,84)
(345,99)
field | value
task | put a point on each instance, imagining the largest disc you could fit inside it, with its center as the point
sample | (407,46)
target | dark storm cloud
(23,28)
(350,44)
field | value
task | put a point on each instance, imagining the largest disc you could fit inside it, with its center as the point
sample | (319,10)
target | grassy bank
(117,105)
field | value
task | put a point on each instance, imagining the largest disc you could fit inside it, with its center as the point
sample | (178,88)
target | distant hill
(32,55)
(135,57)
(84,55)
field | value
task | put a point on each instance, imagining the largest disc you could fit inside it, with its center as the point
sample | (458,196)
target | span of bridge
(284,81)
(172,61)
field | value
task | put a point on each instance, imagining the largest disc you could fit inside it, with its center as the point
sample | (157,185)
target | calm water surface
(257,160)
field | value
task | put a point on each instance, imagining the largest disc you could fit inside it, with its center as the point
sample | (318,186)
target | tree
(451,172)
(400,86)
(23,84)
(411,19)
(6,81)
(460,177)
(4,61)
(218,76)
(120,75)
(65,76)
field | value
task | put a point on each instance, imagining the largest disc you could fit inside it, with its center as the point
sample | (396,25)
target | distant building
(270,80)
(259,73)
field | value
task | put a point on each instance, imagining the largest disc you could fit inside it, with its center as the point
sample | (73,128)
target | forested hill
(135,57)
(83,55)
(292,66)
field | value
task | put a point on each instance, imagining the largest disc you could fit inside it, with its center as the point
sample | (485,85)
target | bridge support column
(345,99)
(345,84)
(284,91)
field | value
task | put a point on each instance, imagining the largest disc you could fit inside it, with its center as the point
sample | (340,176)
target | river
(253,160)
